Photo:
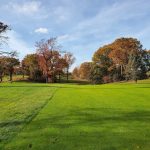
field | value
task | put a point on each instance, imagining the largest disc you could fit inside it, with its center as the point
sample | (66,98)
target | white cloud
(26,8)
(41,30)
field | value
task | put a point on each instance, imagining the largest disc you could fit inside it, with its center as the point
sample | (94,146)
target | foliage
(8,64)
(49,58)
(30,66)
(84,70)
(2,68)
(75,73)
(96,75)
(69,61)
(123,59)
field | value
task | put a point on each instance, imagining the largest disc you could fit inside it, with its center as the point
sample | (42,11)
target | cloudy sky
(82,26)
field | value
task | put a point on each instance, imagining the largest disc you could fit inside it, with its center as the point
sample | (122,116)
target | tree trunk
(46,79)
(67,73)
(10,75)
(23,75)
(46,76)
(1,79)
(59,77)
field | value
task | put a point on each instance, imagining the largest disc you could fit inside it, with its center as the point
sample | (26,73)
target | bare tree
(3,38)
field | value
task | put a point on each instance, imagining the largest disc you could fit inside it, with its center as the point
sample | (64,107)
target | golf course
(75,75)
(40,116)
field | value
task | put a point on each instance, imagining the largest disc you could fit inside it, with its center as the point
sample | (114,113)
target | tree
(49,58)
(132,69)
(60,67)
(121,50)
(3,29)
(96,74)
(2,67)
(69,61)
(84,70)
(102,59)
(11,62)
(146,59)
(75,73)
(115,59)
(3,38)
(30,66)
(7,63)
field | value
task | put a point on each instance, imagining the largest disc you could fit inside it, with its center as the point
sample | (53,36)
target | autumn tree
(84,70)
(69,61)
(61,67)
(102,59)
(30,66)
(121,51)
(116,59)
(2,67)
(75,73)
(49,58)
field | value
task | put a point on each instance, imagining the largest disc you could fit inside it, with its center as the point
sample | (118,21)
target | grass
(75,117)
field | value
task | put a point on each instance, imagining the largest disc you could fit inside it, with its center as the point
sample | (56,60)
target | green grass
(75,117)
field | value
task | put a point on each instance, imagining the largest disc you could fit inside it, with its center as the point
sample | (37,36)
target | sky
(81,26)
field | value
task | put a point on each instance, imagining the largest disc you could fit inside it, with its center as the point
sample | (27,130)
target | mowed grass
(77,117)
(19,104)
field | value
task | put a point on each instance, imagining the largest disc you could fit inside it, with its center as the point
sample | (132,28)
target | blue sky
(81,26)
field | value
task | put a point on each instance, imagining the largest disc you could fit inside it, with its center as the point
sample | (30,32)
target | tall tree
(121,51)
(115,59)
(3,38)
(61,65)
(49,58)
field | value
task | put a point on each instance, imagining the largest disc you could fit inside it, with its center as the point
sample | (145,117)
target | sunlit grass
(78,117)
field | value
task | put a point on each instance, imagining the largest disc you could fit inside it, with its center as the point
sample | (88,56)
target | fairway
(75,117)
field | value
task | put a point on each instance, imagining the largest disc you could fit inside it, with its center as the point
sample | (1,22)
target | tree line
(47,64)
(123,59)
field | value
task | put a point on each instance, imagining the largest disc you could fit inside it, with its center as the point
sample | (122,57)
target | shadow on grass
(64,87)
(89,128)
(95,116)
(144,87)
(11,123)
